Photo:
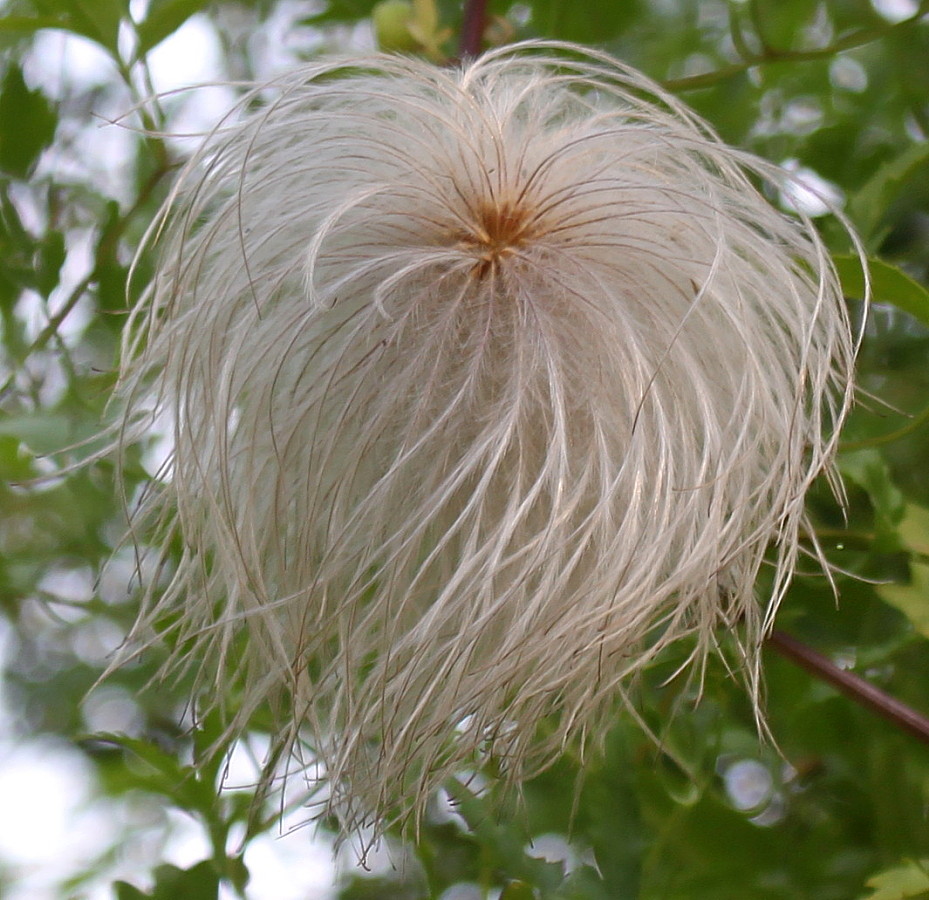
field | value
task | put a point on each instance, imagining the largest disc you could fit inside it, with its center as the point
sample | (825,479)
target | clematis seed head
(485,385)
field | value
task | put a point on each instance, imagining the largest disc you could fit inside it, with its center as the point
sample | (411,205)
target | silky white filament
(486,384)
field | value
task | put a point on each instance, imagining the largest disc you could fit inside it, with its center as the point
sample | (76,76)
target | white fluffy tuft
(486,385)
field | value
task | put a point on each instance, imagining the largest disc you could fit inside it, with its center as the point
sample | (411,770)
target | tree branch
(853,686)
(472,28)
(770,54)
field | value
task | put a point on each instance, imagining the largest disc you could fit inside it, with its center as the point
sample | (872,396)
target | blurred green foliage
(835,806)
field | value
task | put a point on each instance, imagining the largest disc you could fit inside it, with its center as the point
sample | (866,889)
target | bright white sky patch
(49,826)
(190,56)
(60,62)
(848,74)
(290,867)
(896,10)
(808,192)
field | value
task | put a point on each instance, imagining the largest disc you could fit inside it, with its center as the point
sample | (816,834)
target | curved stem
(916,422)
(853,686)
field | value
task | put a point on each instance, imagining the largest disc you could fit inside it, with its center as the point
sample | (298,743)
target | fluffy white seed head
(486,385)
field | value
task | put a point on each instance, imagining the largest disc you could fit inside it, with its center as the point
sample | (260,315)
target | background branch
(472,28)
(769,54)
(853,686)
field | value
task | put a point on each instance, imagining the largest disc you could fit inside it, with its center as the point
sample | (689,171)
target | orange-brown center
(500,228)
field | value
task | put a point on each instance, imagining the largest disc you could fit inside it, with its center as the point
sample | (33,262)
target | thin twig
(769,55)
(853,686)
(106,247)
(918,421)
(472,28)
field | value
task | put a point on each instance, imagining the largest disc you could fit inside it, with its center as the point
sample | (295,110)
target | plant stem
(472,28)
(853,686)
(917,421)
(769,55)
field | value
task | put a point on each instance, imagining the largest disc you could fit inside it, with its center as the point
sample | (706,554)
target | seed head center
(499,228)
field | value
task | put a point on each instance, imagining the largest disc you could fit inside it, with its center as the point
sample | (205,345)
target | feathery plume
(486,385)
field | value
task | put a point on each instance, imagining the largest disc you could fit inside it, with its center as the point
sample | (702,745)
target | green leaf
(125,891)
(29,24)
(45,432)
(95,19)
(342,11)
(17,247)
(911,599)
(35,120)
(200,882)
(15,465)
(868,207)
(585,22)
(101,20)
(585,883)
(889,285)
(780,22)
(868,469)
(910,880)
(40,432)
(518,890)
(503,847)
(160,772)
(914,529)
(197,883)
(163,20)
(50,259)
(12,230)
(391,20)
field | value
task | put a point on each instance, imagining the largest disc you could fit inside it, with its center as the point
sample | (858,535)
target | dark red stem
(851,685)
(472,28)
